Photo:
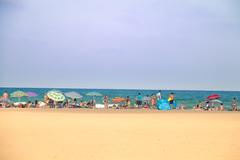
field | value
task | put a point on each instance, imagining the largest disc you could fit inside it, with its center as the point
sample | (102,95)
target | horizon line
(164,89)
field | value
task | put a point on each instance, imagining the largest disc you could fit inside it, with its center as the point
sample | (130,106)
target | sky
(142,44)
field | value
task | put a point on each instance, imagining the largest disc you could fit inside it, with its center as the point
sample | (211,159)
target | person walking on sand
(234,104)
(105,101)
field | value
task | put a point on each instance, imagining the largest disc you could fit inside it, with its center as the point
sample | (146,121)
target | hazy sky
(150,44)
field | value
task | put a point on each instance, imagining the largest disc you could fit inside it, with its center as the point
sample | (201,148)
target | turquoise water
(188,98)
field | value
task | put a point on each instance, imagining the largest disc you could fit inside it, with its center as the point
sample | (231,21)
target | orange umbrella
(118,100)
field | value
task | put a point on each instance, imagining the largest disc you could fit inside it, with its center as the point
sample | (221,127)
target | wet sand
(67,134)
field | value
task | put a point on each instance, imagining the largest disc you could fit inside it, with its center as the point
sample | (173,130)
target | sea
(189,98)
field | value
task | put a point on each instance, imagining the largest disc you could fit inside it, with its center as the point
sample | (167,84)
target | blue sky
(149,44)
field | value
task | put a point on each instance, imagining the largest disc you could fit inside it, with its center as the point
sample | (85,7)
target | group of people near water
(140,102)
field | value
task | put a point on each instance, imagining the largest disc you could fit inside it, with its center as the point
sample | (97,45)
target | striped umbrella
(56,96)
(18,94)
(118,100)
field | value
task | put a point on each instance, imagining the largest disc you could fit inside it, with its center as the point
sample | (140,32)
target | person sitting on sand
(181,107)
(145,106)
(234,104)
(29,104)
(81,104)
(36,104)
(197,108)
(153,101)
(207,106)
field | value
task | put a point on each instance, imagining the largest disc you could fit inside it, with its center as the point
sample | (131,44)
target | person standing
(139,100)
(171,100)
(128,102)
(153,101)
(5,95)
(105,101)
(159,95)
(234,104)
(221,107)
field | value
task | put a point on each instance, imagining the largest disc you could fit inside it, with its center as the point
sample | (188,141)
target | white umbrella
(73,95)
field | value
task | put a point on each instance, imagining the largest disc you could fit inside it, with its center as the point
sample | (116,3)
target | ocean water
(187,98)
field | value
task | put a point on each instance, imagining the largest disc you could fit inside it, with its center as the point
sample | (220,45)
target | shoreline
(111,111)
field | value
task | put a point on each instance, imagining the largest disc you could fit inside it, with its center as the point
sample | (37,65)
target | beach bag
(163,104)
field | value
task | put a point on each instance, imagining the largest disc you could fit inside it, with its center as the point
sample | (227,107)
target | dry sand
(27,134)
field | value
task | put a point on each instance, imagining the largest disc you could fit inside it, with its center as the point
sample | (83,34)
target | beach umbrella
(56,96)
(213,96)
(94,94)
(146,98)
(31,94)
(73,95)
(4,100)
(215,101)
(18,94)
(118,100)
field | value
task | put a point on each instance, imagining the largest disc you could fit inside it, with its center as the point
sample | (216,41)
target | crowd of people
(140,102)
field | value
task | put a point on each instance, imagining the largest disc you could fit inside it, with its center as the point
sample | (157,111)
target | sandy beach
(60,134)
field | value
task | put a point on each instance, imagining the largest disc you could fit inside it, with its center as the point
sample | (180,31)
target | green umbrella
(73,95)
(56,96)
(18,94)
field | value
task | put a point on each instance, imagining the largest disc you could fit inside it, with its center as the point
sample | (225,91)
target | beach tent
(163,104)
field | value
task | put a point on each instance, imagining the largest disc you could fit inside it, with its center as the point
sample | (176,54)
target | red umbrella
(118,100)
(213,96)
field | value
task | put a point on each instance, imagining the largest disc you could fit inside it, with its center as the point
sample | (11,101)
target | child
(221,107)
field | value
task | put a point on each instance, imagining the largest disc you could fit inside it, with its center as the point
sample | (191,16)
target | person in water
(171,100)
(234,104)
